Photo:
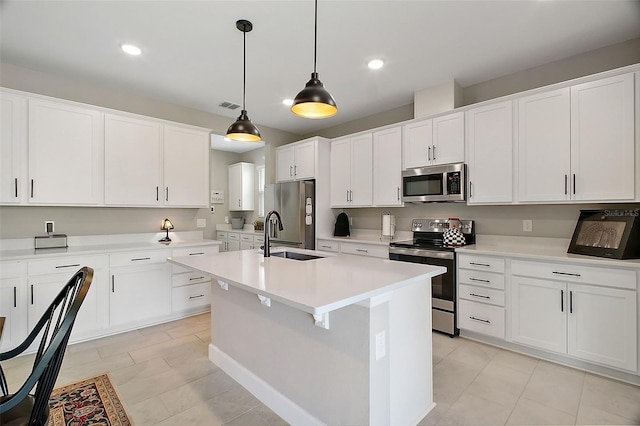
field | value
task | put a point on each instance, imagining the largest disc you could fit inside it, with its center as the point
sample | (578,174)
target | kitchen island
(335,340)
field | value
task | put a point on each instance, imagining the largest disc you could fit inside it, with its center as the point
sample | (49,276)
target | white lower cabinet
(13,303)
(140,287)
(190,289)
(580,313)
(358,248)
(328,245)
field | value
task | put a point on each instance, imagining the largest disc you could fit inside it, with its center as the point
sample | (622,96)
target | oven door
(443,287)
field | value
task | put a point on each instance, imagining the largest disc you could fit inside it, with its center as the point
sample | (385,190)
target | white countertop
(314,286)
(535,248)
(20,249)
(369,236)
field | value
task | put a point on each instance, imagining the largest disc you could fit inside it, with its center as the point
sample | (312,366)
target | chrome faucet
(267,250)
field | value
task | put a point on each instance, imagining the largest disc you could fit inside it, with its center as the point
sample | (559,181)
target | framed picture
(607,233)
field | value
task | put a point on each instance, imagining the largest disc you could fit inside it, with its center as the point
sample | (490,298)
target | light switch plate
(527,225)
(201,223)
(381,345)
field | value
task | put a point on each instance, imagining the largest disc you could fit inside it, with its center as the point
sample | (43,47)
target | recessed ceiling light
(287,102)
(131,49)
(375,64)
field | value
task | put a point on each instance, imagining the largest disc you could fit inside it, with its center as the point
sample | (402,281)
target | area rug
(90,402)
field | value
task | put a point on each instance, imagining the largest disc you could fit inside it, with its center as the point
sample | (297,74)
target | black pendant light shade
(314,101)
(243,129)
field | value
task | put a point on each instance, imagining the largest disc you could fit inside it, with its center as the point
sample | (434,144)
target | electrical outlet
(49,226)
(226,219)
(381,345)
(527,225)
(201,223)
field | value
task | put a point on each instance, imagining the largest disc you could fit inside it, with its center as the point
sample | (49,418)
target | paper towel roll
(388,225)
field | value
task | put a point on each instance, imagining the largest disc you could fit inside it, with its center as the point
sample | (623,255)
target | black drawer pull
(75,265)
(479,295)
(362,250)
(196,278)
(478,279)
(140,258)
(195,297)
(486,265)
(196,254)
(481,320)
(566,273)
(15,297)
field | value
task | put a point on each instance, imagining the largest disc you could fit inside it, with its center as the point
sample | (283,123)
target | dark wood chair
(26,406)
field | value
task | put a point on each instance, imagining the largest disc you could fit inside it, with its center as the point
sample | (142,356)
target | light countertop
(314,286)
(369,236)
(535,248)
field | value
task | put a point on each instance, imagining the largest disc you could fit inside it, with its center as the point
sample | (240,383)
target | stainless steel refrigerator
(295,201)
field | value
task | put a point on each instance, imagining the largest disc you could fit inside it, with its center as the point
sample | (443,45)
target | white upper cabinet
(352,171)
(602,139)
(241,186)
(490,153)
(296,161)
(133,162)
(13,148)
(186,167)
(544,136)
(439,140)
(66,154)
(387,167)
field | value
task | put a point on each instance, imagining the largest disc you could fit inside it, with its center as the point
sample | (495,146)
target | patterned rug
(89,402)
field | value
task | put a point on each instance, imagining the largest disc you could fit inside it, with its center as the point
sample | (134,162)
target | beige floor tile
(529,412)
(135,391)
(269,416)
(450,379)
(163,348)
(514,361)
(233,403)
(205,336)
(134,340)
(193,350)
(556,387)
(139,371)
(443,345)
(499,384)
(472,354)
(202,414)
(191,394)
(189,328)
(250,418)
(473,410)
(84,371)
(80,357)
(435,416)
(588,415)
(611,396)
(147,412)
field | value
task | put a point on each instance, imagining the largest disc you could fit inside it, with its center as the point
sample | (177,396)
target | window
(261,184)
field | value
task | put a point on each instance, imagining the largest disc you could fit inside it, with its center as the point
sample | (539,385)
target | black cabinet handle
(167,194)
(479,295)
(157,193)
(571,302)
(113,284)
(574,184)
(196,254)
(480,264)
(15,297)
(75,265)
(195,278)
(32,294)
(478,279)
(140,258)
(195,297)
(566,273)
(561,300)
(481,320)
(565,184)
(16,186)
(31,188)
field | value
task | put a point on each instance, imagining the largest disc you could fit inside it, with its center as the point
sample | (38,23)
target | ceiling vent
(229,105)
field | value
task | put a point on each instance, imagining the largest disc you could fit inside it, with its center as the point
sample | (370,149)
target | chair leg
(3,383)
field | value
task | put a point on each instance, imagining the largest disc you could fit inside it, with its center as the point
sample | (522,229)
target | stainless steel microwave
(435,183)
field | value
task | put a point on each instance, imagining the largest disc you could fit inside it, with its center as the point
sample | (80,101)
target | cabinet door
(538,313)
(133,162)
(603,325)
(186,167)
(233,246)
(417,142)
(14,308)
(490,154)
(340,172)
(284,164)
(13,148)
(387,167)
(241,187)
(304,166)
(362,170)
(448,139)
(602,139)
(544,146)
(139,294)
(66,155)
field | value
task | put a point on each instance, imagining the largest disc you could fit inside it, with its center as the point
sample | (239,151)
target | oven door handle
(429,254)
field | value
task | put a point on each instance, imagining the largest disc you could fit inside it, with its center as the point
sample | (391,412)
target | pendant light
(314,101)
(243,129)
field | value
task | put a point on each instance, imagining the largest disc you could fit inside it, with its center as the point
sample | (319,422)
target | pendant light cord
(315,37)
(244,70)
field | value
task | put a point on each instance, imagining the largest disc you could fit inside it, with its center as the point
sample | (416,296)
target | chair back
(54,329)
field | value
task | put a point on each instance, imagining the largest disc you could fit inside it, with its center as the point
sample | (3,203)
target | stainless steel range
(427,247)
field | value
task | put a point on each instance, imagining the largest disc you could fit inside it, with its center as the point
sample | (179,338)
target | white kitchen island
(340,340)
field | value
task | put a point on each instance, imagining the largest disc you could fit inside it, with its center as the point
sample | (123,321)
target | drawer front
(233,236)
(328,245)
(258,239)
(13,269)
(365,250)
(246,238)
(481,278)
(221,235)
(192,296)
(187,278)
(65,264)
(481,263)
(576,273)
(481,294)
(485,319)
(132,258)
(192,251)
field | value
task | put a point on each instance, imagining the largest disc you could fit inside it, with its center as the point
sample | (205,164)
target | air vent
(229,105)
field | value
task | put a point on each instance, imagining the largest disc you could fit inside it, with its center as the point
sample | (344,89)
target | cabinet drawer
(481,294)
(191,296)
(232,236)
(192,277)
(481,278)
(576,273)
(246,238)
(13,269)
(481,318)
(481,263)
(131,258)
(365,250)
(65,264)
(258,239)
(220,235)
(192,251)
(328,245)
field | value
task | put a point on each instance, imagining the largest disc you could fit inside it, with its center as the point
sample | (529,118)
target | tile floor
(164,378)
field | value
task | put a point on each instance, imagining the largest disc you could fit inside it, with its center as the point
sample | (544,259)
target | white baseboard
(280,404)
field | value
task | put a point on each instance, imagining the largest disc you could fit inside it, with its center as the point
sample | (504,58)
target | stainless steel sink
(295,256)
